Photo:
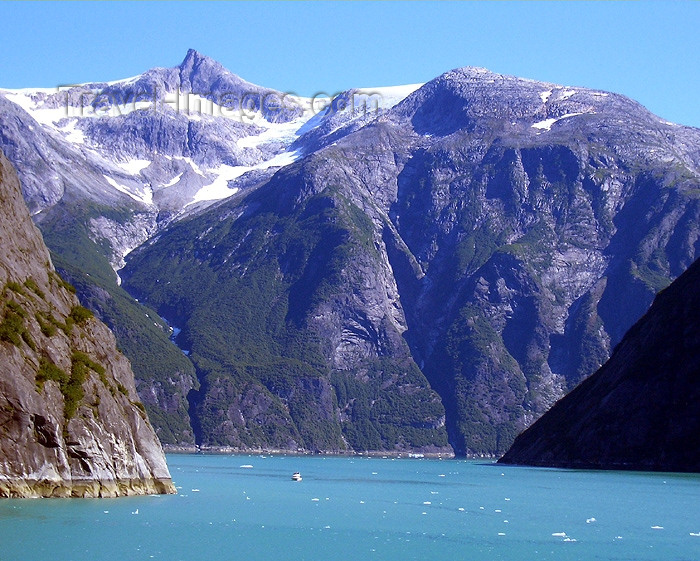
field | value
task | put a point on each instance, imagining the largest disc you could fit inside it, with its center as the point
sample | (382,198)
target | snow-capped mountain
(389,269)
(168,142)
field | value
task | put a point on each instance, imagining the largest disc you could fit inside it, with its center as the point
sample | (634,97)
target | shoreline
(228,450)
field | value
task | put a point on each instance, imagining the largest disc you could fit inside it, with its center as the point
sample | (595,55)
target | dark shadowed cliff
(71,423)
(641,410)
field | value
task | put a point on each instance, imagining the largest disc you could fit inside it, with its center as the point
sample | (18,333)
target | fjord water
(247,508)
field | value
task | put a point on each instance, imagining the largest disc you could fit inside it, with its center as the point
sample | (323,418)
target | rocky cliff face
(443,267)
(641,409)
(71,423)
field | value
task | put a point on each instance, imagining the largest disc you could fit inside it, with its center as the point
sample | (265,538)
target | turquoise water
(367,509)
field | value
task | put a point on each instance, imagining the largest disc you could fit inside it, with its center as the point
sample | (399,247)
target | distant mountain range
(417,268)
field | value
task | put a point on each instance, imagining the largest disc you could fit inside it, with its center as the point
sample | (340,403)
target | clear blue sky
(646,50)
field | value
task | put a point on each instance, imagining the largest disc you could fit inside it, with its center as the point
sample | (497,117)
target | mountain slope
(481,238)
(72,424)
(291,321)
(513,234)
(640,410)
(106,166)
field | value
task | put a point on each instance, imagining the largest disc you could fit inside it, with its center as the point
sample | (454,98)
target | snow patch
(194,166)
(173,181)
(123,81)
(390,95)
(219,189)
(544,96)
(44,116)
(72,134)
(134,167)
(547,123)
(146,197)
(281,132)
(566,94)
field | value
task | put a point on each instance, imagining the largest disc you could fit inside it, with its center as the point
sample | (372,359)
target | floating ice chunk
(246,466)
(195,490)
(559,534)
(460,509)
(590,520)
(501,533)
(497,510)
(657,527)
(427,502)
(315,499)
(567,539)
(695,534)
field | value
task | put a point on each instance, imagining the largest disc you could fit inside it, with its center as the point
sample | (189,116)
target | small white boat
(296,476)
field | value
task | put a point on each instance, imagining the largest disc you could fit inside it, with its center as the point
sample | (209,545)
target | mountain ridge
(494,238)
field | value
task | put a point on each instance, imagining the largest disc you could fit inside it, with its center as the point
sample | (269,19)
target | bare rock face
(71,424)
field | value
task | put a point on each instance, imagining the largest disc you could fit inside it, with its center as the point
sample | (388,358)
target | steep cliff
(71,423)
(641,410)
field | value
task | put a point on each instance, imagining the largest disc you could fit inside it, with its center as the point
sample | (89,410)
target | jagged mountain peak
(201,74)
(195,58)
